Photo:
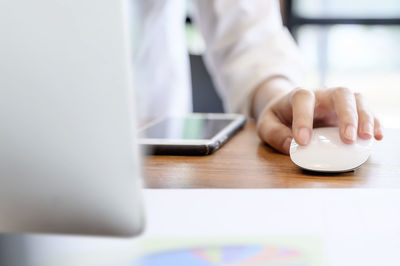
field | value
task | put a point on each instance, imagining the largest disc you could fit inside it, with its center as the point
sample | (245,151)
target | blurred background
(344,43)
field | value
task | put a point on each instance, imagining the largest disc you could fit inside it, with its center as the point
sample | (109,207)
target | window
(354,44)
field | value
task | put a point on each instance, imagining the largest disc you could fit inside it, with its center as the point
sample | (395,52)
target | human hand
(293,113)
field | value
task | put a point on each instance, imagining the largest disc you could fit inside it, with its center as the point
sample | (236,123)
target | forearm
(267,91)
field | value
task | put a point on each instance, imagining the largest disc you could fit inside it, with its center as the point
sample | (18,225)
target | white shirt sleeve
(246,44)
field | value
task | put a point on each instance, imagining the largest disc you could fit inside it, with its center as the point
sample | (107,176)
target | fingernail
(378,133)
(367,129)
(286,144)
(304,135)
(350,132)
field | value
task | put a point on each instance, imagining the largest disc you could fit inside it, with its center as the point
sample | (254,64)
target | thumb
(276,134)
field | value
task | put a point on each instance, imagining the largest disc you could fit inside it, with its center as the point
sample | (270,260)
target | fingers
(272,131)
(301,107)
(345,106)
(303,103)
(378,129)
(365,118)
(368,125)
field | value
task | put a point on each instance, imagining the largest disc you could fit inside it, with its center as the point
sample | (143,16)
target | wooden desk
(245,162)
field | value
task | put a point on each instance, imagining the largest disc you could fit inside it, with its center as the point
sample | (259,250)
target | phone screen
(189,128)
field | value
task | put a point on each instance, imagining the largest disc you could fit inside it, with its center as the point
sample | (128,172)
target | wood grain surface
(245,162)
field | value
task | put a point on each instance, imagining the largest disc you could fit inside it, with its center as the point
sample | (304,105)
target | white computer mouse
(326,152)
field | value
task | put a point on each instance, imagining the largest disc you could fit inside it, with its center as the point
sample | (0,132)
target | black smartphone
(192,134)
